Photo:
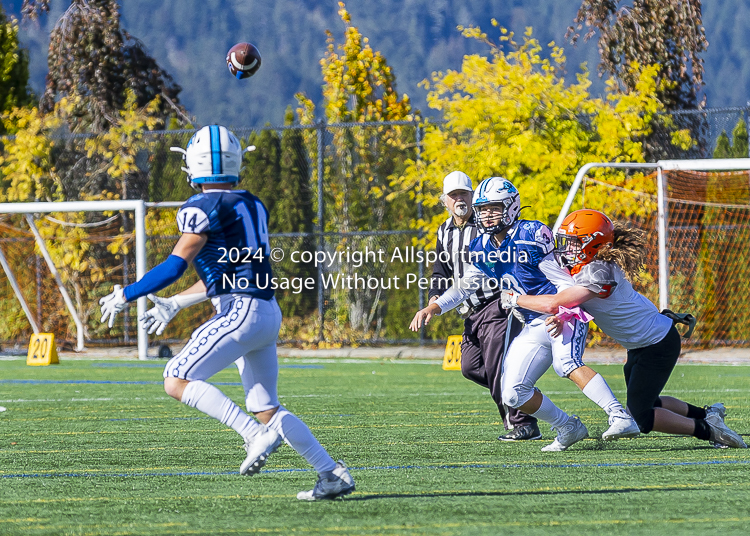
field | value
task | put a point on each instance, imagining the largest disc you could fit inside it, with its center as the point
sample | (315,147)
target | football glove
(509,299)
(111,304)
(155,320)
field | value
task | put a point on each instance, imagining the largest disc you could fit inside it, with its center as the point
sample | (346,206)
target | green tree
(723,146)
(668,33)
(294,213)
(738,147)
(739,137)
(14,68)
(262,169)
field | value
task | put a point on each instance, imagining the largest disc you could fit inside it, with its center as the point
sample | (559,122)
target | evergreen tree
(294,209)
(738,147)
(293,213)
(740,141)
(14,68)
(723,146)
(262,167)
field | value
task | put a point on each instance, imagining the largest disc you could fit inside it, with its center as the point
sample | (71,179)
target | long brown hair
(628,250)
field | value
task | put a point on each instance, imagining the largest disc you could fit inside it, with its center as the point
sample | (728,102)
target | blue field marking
(99,382)
(170,418)
(78,382)
(389,468)
(161,365)
(139,365)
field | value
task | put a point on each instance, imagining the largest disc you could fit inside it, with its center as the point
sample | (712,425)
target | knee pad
(517,395)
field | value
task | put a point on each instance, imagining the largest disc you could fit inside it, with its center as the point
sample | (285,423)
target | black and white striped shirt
(455,241)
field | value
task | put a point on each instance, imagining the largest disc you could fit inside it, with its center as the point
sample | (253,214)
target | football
(243,60)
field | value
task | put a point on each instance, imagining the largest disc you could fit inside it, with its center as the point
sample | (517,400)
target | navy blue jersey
(515,264)
(235,258)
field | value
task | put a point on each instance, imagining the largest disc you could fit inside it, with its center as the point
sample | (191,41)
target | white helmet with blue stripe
(213,155)
(502,193)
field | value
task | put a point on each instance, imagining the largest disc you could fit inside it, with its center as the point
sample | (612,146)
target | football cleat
(621,425)
(523,432)
(716,409)
(721,411)
(259,448)
(336,483)
(567,434)
(721,435)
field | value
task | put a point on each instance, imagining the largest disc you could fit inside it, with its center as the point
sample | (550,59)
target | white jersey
(621,312)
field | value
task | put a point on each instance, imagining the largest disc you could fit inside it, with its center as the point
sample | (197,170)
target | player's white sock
(600,393)
(298,436)
(550,413)
(211,401)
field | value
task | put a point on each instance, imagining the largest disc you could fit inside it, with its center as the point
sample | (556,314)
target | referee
(485,322)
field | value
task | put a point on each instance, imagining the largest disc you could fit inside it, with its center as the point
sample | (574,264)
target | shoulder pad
(192,219)
(597,276)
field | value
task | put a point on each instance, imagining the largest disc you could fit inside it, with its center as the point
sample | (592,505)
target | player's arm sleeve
(157,278)
(557,275)
(473,280)
(598,277)
(442,274)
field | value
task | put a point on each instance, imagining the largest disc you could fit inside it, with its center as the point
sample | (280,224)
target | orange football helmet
(581,236)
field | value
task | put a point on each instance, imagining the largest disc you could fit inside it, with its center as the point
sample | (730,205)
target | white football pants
(533,351)
(244,331)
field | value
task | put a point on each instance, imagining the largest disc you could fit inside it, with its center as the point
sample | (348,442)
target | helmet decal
(215,149)
(507,185)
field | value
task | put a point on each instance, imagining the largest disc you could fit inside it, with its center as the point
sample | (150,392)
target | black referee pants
(482,350)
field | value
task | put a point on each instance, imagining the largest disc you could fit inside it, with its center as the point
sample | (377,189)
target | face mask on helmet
(568,251)
(213,155)
(496,204)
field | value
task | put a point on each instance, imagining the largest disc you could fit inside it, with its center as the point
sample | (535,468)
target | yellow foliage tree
(29,173)
(513,114)
(360,87)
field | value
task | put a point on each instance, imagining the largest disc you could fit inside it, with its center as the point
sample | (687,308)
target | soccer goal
(84,249)
(697,217)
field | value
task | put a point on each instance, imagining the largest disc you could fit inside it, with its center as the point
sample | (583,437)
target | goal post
(661,168)
(139,209)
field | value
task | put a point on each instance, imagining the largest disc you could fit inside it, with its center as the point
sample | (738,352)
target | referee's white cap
(456,180)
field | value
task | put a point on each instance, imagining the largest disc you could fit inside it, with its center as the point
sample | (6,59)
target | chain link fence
(326,188)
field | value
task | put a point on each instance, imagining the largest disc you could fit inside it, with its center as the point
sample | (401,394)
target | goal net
(707,224)
(59,259)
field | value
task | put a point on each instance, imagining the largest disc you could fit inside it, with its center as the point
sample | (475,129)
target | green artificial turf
(83,454)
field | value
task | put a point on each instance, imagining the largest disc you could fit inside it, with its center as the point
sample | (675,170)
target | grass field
(96,447)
